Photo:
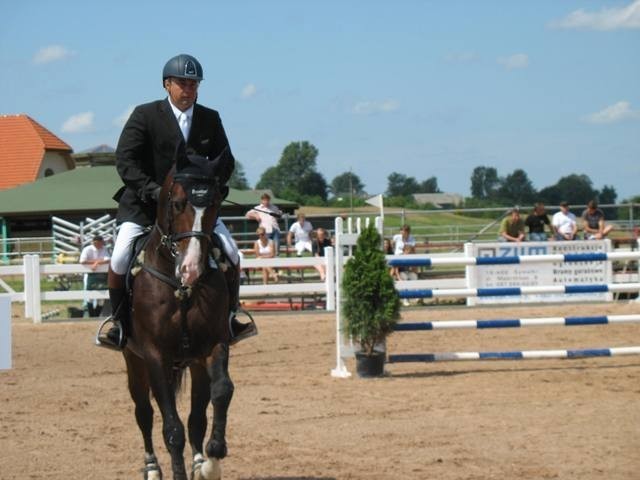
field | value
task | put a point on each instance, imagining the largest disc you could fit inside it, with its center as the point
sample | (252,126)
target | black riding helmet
(182,66)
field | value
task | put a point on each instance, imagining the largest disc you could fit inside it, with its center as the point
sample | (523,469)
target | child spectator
(319,244)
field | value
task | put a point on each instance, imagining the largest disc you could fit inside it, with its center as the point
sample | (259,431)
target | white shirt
(564,223)
(90,254)
(301,232)
(399,243)
(266,221)
(178,113)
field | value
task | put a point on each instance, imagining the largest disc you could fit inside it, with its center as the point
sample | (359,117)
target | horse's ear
(223,165)
(180,158)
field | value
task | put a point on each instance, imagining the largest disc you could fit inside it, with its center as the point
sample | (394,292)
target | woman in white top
(264,247)
(300,233)
(400,240)
(267,215)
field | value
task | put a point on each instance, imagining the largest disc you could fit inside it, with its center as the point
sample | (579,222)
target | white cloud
(51,53)
(617,112)
(518,60)
(249,91)
(606,19)
(120,120)
(78,123)
(370,107)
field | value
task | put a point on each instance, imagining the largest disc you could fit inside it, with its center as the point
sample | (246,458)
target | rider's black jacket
(146,150)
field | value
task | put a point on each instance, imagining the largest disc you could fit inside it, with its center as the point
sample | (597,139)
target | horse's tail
(178,379)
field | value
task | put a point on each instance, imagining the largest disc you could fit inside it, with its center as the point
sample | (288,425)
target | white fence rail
(32,272)
(5,332)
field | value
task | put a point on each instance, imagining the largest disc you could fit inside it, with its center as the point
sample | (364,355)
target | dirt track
(65,413)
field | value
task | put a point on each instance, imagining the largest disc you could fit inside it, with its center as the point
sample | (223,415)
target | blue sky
(424,88)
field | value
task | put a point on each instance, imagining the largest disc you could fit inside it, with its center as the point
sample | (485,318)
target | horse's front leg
(221,394)
(164,382)
(138,381)
(197,426)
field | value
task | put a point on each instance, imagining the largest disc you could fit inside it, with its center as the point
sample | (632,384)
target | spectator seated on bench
(264,247)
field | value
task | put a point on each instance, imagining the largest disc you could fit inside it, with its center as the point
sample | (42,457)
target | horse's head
(188,208)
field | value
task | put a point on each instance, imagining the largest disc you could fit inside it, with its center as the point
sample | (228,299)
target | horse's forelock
(197,165)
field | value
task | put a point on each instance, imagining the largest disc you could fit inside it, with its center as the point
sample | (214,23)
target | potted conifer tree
(371,305)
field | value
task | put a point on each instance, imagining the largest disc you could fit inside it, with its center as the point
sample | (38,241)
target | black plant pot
(370,366)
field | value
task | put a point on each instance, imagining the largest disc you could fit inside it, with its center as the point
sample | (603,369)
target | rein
(202,191)
(182,292)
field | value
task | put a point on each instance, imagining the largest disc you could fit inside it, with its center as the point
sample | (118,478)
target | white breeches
(302,246)
(122,250)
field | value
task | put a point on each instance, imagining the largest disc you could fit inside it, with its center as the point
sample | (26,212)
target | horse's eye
(179,205)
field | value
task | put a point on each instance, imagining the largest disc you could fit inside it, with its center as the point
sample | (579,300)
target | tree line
(517,188)
(295,177)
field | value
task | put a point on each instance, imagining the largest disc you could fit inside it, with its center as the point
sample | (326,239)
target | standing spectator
(403,238)
(267,215)
(264,247)
(94,255)
(300,233)
(564,223)
(536,221)
(319,244)
(593,222)
(512,227)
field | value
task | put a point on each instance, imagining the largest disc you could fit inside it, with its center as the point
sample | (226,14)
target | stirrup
(102,338)
(251,329)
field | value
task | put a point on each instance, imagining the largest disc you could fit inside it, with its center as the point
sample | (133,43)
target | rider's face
(183,92)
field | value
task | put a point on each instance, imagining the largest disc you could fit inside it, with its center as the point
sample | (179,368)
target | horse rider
(144,157)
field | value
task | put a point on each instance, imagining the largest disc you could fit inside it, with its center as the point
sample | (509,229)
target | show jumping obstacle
(515,323)
(516,291)
(519,259)
(346,238)
(515,355)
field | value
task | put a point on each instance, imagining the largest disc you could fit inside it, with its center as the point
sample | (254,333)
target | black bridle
(200,190)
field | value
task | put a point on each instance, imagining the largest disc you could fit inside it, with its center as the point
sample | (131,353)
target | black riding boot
(115,337)
(239,331)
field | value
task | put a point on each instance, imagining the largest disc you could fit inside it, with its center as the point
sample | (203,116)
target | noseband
(170,240)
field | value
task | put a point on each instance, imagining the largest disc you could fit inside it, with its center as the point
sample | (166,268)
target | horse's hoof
(153,475)
(211,470)
(217,449)
(152,472)
(205,469)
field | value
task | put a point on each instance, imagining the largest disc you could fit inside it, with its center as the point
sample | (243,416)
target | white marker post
(5,332)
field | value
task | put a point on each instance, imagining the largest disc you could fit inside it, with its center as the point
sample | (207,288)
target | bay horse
(180,311)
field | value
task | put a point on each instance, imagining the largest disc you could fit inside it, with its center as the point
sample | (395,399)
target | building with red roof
(28,151)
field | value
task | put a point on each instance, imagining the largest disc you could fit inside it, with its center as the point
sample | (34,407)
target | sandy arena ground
(65,412)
